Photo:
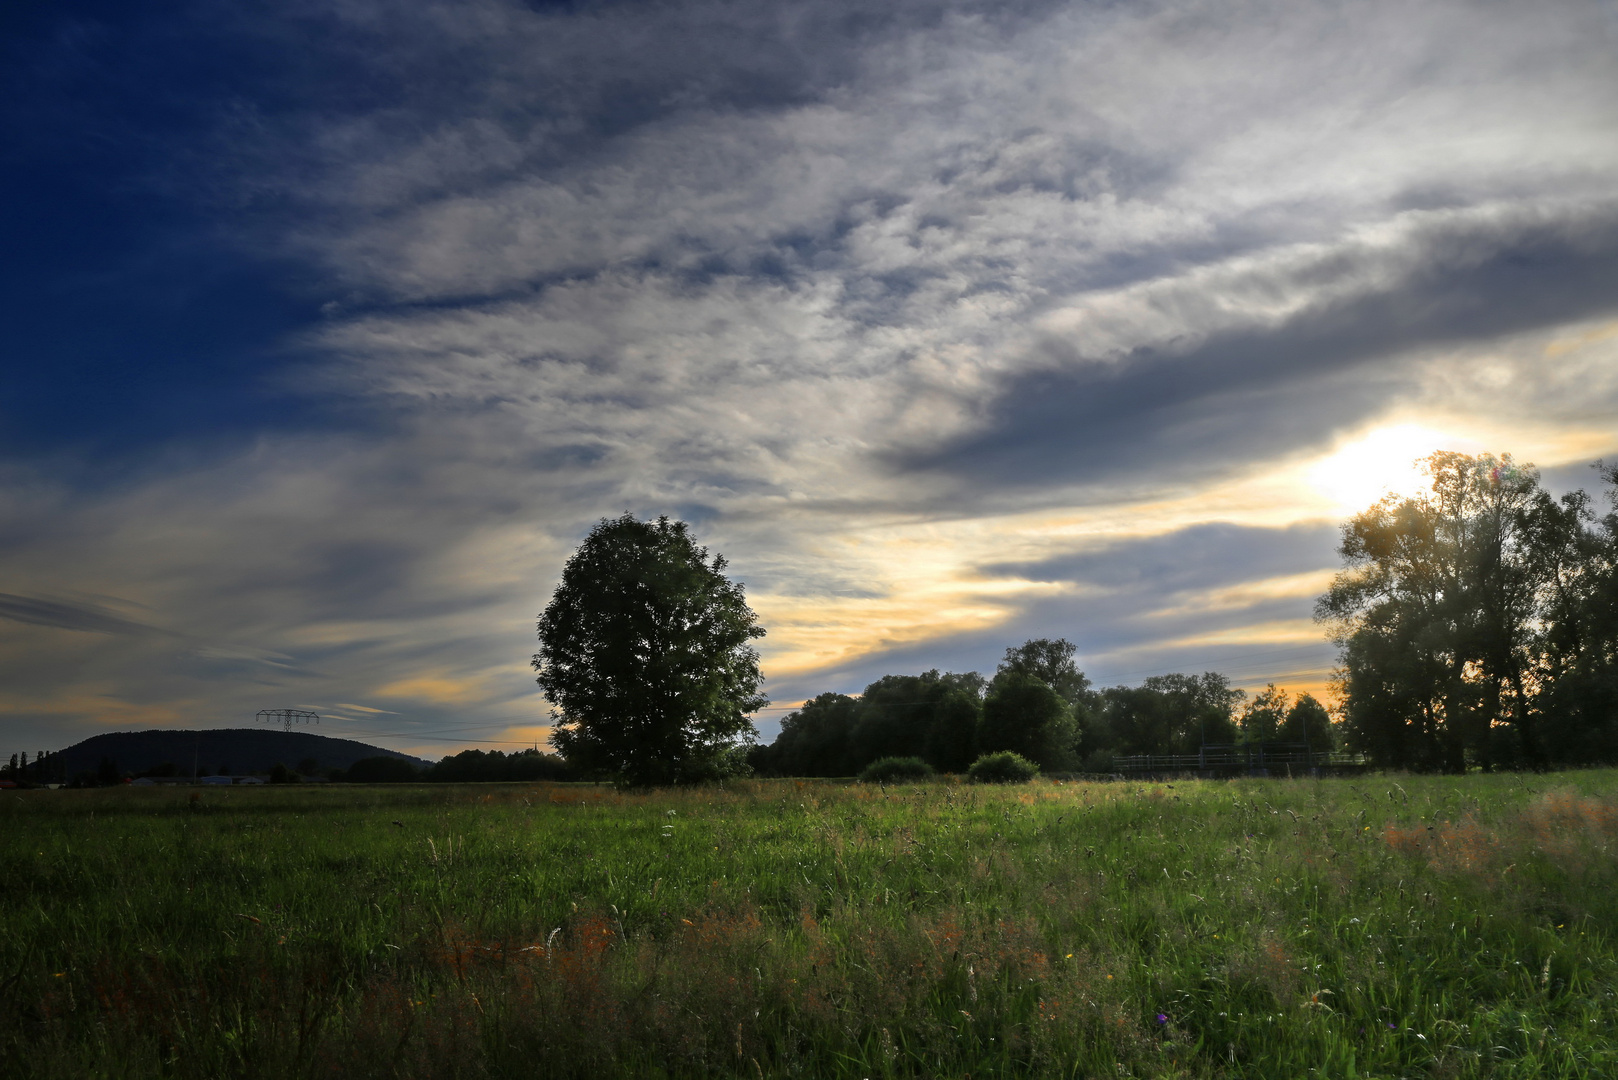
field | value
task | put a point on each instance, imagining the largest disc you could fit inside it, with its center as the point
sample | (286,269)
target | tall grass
(1382,927)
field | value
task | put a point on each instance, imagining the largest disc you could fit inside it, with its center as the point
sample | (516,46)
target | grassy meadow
(1379,927)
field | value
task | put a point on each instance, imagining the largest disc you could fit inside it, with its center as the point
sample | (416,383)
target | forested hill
(234,750)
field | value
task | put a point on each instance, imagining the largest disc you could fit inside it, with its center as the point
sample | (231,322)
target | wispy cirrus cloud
(948,323)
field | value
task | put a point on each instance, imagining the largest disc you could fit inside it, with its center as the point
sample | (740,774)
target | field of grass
(1382,926)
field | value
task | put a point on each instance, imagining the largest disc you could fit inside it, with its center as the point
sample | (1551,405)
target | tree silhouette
(646,656)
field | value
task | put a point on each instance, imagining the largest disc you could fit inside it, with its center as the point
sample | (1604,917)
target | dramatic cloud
(949,324)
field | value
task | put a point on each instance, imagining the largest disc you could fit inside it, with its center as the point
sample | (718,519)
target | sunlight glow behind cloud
(1384,461)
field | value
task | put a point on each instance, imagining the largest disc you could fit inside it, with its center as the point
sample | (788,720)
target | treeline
(469,766)
(1038,704)
(21,772)
(1479,622)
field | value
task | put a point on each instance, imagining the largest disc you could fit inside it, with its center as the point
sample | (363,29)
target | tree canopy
(1051,661)
(1026,716)
(646,656)
(1038,705)
(1476,622)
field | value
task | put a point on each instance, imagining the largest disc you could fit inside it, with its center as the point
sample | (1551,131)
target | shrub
(894,769)
(1006,767)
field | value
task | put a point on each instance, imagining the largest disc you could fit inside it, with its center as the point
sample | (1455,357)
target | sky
(330,328)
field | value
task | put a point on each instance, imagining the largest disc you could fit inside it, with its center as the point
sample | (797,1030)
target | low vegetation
(890,770)
(1005,767)
(1382,926)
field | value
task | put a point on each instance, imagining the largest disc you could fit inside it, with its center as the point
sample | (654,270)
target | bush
(891,770)
(1006,767)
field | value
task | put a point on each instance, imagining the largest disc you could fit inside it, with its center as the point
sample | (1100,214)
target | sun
(1384,461)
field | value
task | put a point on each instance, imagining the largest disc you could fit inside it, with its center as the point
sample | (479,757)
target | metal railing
(1255,758)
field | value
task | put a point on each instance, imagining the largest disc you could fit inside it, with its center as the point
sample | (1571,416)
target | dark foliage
(814,741)
(1477,622)
(381,770)
(1050,660)
(1167,714)
(493,766)
(1039,705)
(1309,723)
(891,770)
(1025,715)
(646,655)
(1004,767)
(933,716)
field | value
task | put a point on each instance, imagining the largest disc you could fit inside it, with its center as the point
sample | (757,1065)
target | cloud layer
(949,324)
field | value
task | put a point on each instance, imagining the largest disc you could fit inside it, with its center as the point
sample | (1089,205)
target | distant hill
(237,750)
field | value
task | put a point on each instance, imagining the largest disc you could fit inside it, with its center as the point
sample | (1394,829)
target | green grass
(1389,926)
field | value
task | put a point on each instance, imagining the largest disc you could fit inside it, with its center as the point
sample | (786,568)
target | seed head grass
(1368,927)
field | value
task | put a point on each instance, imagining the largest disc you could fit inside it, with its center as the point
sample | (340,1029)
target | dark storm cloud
(1260,391)
(62,615)
(1199,557)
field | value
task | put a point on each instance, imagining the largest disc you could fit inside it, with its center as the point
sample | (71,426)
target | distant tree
(382,769)
(535,764)
(308,766)
(891,770)
(1051,661)
(107,772)
(814,740)
(952,737)
(280,774)
(1026,715)
(1262,719)
(1169,714)
(494,766)
(1309,722)
(646,656)
(933,715)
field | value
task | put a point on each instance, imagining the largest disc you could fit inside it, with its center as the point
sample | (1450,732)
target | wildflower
(1162,1019)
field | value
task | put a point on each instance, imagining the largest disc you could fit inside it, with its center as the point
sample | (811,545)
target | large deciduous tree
(932,715)
(1168,714)
(1263,717)
(1025,715)
(1453,612)
(646,656)
(815,740)
(1051,661)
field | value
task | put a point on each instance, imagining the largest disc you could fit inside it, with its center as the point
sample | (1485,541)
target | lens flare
(1384,461)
